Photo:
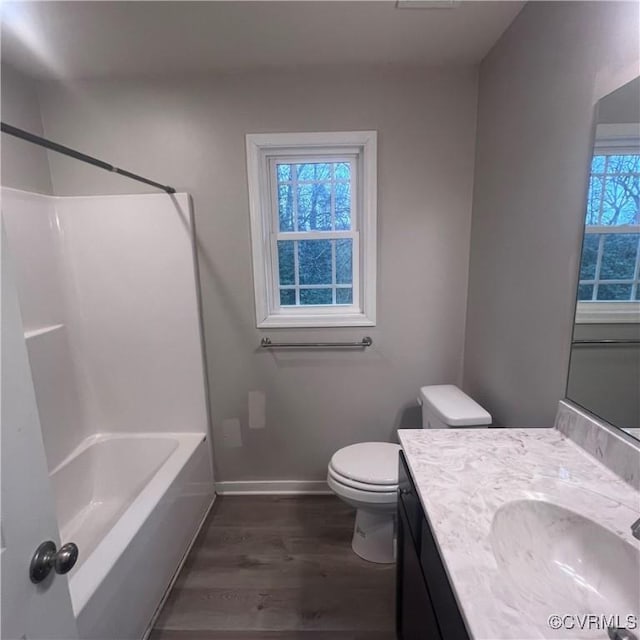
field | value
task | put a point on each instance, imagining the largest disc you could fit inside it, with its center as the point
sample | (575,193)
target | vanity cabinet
(426,608)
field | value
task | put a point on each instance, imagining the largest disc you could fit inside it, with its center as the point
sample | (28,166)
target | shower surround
(109,301)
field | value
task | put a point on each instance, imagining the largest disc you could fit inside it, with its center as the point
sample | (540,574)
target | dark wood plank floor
(278,567)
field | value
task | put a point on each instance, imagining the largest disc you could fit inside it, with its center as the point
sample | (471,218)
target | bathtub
(133,504)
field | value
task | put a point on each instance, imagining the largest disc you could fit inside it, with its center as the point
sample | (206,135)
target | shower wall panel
(108,293)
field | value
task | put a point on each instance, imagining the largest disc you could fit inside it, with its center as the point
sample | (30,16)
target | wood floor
(278,567)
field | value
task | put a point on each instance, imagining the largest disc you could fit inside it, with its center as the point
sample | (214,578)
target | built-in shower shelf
(40,331)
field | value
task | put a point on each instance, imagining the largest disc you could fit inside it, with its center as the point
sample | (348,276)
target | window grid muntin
(334,276)
(603,175)
(350,159)
(333,285)
(596,281)
(296,235)
(296,270)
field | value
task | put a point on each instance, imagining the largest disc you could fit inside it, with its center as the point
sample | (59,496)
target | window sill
(283,321)
(608,313)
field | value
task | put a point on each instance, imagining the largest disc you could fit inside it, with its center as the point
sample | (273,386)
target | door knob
(46,558)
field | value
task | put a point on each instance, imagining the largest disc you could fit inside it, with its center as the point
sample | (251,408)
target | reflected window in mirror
(610,265)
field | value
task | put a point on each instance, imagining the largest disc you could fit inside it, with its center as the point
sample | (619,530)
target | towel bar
(266,343)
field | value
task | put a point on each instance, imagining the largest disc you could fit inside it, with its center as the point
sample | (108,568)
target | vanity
(427,606)
(499,530)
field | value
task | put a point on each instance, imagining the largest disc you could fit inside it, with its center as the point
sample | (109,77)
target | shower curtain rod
(54,146)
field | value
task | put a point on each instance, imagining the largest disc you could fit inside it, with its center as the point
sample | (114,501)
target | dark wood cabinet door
(415,617)
(444,603)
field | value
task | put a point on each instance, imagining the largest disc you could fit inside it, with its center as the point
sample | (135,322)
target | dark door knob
(46,558)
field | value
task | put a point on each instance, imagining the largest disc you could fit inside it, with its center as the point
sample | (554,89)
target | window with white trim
(609,285)
(312,203)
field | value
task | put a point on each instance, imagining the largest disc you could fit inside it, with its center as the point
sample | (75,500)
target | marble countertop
(464,476)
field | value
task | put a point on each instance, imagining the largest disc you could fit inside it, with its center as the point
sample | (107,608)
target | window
(312,200)
(609,285)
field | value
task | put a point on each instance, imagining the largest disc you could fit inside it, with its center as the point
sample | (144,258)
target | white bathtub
(132,503)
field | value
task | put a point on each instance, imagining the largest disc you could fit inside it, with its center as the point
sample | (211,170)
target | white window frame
(612,139)
(263,149)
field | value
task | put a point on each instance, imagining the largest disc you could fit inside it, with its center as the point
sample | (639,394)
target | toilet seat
(361,497)
(361,486)
(373,464)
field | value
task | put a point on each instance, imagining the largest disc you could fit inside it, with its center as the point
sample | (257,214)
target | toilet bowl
(365,475)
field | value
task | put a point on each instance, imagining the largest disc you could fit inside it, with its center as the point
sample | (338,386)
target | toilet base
(374,536)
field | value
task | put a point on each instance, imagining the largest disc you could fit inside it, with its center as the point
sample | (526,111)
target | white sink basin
(551,554)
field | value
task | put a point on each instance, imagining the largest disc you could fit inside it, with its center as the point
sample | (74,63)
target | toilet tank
(445,406)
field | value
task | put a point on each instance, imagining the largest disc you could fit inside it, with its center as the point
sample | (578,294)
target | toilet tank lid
(453,406)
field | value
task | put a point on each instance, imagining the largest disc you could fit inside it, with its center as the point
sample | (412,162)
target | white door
(29,611)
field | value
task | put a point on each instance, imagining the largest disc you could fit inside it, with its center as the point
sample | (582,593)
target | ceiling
(77,39)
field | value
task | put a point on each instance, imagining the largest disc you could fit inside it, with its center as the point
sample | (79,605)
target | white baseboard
(270,487)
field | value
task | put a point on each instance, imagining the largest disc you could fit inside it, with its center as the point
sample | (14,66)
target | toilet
(365,475)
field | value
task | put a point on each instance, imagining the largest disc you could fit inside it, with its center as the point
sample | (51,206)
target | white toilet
(365,475)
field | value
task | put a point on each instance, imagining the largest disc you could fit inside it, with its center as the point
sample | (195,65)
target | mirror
(604,371)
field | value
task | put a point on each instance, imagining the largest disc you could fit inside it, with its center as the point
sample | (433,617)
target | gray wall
(190,133)
(604,378)
(621,106)
(24,166)
(537,91)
